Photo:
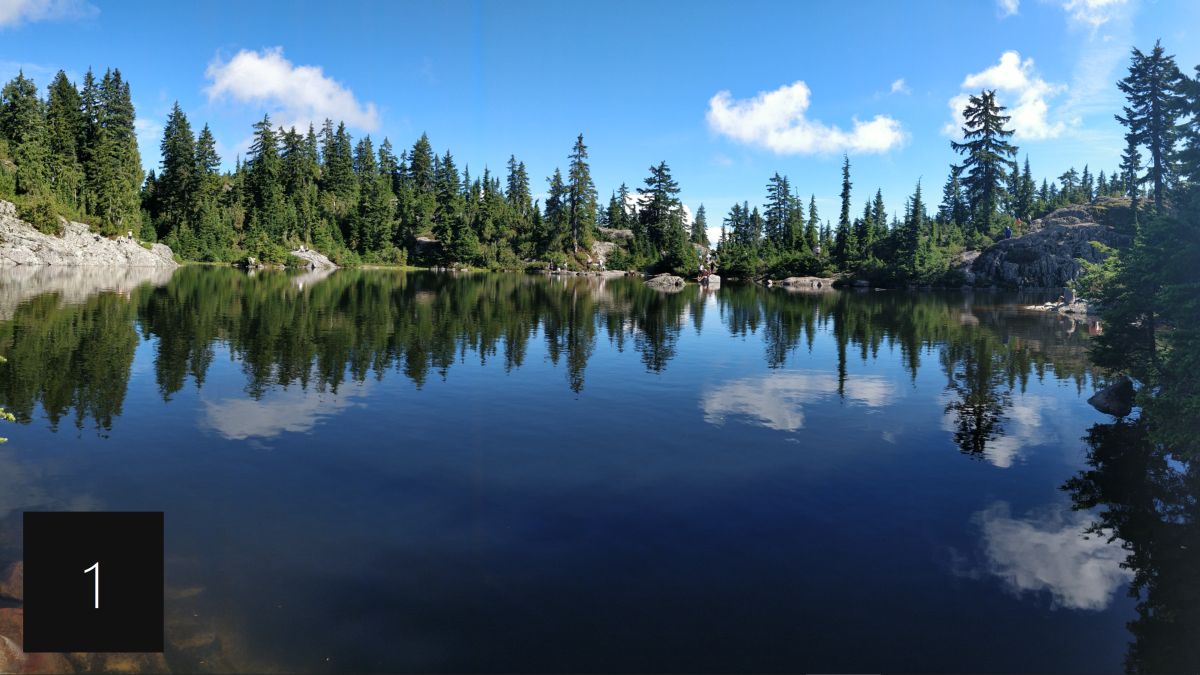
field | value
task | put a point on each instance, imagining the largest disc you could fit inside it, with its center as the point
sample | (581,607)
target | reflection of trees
(358,324)
(1149,499)
(975,378)
(68,357)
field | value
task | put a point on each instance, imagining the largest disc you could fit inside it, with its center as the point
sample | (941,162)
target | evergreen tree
(811,233)
(556,220)
(700,227)
(1152,88)
(65,130)
(777,210)
(264,195)
(988,157)
(581,198)
(176,179)
(23,125)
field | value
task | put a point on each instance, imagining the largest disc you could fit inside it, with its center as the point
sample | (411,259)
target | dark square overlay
(61,593)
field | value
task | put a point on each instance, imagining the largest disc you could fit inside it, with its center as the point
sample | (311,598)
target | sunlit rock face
(22,244)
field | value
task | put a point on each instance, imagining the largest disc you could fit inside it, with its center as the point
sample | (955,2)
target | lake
(378,470)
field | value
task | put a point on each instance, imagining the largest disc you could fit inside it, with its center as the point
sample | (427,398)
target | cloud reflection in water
(777,401)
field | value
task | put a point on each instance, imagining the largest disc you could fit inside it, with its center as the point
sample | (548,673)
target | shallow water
(376,470)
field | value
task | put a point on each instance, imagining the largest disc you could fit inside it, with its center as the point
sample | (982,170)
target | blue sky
(726,93)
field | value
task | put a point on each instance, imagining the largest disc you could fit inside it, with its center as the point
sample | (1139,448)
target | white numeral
(95,566)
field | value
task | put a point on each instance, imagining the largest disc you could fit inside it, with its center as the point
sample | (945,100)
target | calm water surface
(375,470)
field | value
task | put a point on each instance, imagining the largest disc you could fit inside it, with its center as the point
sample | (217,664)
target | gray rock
(666,282)
(712,281)
(600,252)
(804,283)
(1115,399)
(313,259)
(1048,256)
(22,244)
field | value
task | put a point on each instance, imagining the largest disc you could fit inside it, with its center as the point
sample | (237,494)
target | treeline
(982,197)
(1151,292)
(74,154)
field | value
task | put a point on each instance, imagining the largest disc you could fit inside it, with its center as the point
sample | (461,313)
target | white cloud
(1051,552)
(776,120)
(1021,90)
(900,87)
(17,12)
(296,95)
(1093,13)
(777,401)
(1007,8)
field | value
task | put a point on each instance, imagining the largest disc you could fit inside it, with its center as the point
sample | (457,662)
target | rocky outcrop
(313,260)
(1115,399)
(711,281)
(666,282)
(600,252)
(615,234)
(22,244)
(1048,257)
(803,283)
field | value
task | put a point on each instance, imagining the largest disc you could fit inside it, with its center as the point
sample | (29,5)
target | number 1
(95,566)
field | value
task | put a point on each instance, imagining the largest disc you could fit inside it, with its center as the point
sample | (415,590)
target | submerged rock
(1116,399)
(22,244)
(666,282)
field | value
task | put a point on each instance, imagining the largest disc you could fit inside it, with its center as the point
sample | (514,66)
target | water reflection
(294,409)
(1149,499)
(777,401)
(1053,552)
(321,330)
(524,524)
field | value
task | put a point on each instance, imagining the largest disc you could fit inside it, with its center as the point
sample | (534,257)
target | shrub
(619,259)
(40,212)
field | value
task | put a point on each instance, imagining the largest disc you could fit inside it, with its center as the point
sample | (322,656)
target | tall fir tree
(988,157)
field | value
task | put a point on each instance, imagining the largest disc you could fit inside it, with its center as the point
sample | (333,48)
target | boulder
(804,283)
(666,282)
(615,234)
(712,281)
(1115,399)
(22,244)
(1047,257)
(313,260)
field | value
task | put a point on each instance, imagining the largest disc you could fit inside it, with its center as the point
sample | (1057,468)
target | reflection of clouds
(279,410)
(776,401)
(1050,552)
(1022,424)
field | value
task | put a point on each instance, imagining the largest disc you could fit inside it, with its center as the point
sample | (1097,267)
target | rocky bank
(1048,256)
(78,246)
